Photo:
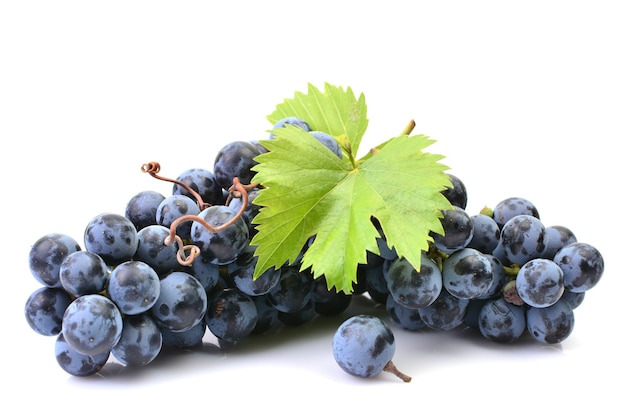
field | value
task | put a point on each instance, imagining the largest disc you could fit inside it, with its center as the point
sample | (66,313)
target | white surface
(524,100)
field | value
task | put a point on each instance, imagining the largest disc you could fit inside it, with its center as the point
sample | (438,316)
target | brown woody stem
(391,367)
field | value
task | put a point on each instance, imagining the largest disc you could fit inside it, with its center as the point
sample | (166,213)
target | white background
(524,98)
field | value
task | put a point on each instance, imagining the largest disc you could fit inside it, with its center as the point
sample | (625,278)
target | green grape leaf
(308,192)
(335,111)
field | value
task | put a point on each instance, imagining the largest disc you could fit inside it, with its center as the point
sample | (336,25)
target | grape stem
(409,128)
(405,132)
(391,367)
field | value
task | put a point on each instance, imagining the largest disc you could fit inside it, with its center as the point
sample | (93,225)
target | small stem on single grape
(487,211)
(510,294)
(153,169)
(391,367)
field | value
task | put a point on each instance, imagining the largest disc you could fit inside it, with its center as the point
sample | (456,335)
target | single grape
(474,307)
(235,159)
(175,207)
(501,321)
(539,282)
(510,207)
(206,272)
(551,324)
(112,236)
(182,302)
(152,250)
(499,253)
(486,233)
(458,231)
(140,342)
(445,313)
(556,238)
(141,208)
(299,317)
(293,291)
(134,287)
(364,346)
(328,141)
(411,288)
(267,315)
(499,277)
(375,279)
(582,265)
(46,256)
(203,182)
(243,274)
(575,299)
(404,317)
(457,193)
(328,301)
(76,363)
(185,339)
(83,272)
(292,120)
(231,315)
(224,246)
(523,238)
(44,310)
(386,252)
(467,273)
(92,324)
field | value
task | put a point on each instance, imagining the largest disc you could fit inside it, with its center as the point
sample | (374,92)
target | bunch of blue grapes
(501,272)
(130,287)
(127,291)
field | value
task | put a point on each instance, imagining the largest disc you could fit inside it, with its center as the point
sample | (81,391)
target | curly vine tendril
(187,253)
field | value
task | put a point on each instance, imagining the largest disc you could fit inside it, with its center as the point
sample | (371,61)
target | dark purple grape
(221,247)
(510,207)
(203,182)
(141,341)
(175,207)
(112,236)
(92,324)
(235,160)
(523,238)
(83,272)
(551,324)
(291,120)
(501,321)
(182,302)
(556,237)
(231,315)
(582,265)
(76,363)
(46,256)
(142,207)
(134,286)
(458,231)
(364,345)
(457,193)
(486,233)
(44,310)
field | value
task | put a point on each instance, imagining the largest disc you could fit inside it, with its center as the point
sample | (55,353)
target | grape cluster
(132,287)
